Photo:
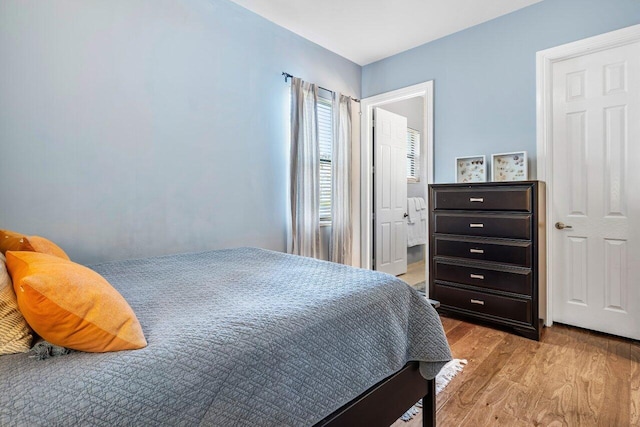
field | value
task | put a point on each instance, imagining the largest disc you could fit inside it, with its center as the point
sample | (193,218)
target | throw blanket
(236,337)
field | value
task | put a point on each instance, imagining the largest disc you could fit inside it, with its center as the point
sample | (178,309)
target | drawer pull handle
(476,199)
(476,276)
(477,301)
(474,225)
(476,251)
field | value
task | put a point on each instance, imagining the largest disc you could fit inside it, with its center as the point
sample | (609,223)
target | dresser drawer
(479,302)
(484,198)
(515,280)
(517,253)
(487,225)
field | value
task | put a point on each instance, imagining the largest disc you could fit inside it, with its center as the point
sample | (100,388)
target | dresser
(486,248)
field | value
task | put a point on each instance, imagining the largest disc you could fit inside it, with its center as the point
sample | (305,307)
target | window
(325,138)
(413,155)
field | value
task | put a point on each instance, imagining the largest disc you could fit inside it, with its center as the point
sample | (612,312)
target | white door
(596,191)
(390,183)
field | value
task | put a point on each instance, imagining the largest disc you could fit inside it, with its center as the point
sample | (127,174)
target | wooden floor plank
(634,385)
(577,397)
(500,404)
(449,323)
(617,392)
(589,383)
(459,405)
(475,347)
(459,331)
(519,362)
(572,377)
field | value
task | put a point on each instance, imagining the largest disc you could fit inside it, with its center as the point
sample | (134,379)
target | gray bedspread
(236,337)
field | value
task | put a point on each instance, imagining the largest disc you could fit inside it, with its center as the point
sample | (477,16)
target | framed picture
(471,169)
(509,166)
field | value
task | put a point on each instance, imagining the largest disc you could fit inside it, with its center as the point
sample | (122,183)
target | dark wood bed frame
(386,401)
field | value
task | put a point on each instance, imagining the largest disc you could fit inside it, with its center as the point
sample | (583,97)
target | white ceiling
(365,31)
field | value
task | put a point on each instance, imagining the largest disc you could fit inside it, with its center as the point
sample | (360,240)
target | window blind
(325,139)
(413,154)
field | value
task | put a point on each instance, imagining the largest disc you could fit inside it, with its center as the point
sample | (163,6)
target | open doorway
(415,103)
(416,194)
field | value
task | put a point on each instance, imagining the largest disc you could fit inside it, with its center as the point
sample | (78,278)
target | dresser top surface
(485,184)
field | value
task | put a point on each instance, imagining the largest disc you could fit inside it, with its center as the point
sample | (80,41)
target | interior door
(390,194)
(596,179)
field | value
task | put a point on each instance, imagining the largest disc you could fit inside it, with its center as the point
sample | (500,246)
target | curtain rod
(287,76)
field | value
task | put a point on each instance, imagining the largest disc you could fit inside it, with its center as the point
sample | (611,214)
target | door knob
(562,226)
(406,214)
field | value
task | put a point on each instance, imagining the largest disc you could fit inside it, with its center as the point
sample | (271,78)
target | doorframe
(424,90)
(545,60)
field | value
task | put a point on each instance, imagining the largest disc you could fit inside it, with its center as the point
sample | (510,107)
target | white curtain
(305,157)
(341,227)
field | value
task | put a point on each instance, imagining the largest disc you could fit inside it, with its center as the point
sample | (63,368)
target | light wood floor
(415,274)
(572,377)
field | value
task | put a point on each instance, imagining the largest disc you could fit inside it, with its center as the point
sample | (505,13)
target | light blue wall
(485,76)
(138,128)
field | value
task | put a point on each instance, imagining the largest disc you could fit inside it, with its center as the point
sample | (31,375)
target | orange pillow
(8,233)
(12,241)
(71,305)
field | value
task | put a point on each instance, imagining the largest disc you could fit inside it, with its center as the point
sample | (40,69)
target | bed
(241,337)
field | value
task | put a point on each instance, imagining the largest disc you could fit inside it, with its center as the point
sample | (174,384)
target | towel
(421,206)
(417,221)
(412,210)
